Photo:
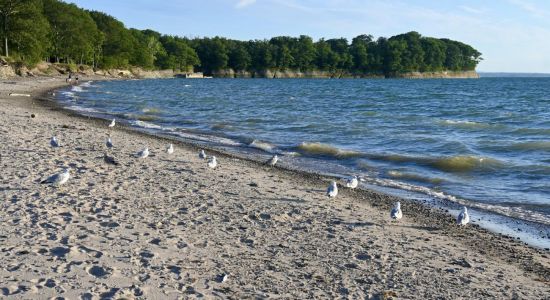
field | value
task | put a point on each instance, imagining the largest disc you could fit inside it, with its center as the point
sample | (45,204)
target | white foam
(77,89)
(514,212)
(145,124)
(265,146)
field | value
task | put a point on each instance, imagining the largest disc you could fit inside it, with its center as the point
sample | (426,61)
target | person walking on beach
(76,79)
(70,79)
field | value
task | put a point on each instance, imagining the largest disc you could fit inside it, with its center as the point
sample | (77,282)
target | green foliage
(62,32)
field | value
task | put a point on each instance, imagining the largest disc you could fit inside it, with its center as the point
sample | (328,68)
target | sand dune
(169,227)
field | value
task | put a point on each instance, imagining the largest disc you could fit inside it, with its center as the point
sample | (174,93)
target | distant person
(70,79)
(76,79)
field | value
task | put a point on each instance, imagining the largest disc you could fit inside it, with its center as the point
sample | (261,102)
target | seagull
(111,160)
(396,213)
(213,162)
(59,178)
(170,149)
(143,153)
(463,218)
(202,155)
(109,143)
(53,142)
(221,278)
(272,161)
(332,190)
(112,123)
(352,182)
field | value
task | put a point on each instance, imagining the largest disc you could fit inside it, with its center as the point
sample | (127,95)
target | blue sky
(513,35)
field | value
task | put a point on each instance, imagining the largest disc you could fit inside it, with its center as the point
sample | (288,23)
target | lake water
(483,143)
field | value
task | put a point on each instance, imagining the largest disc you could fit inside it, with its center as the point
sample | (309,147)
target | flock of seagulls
(396,214)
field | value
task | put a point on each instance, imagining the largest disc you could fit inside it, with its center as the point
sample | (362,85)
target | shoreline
(422,222)
(533,231)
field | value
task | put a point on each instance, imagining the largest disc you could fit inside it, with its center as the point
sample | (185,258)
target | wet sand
(168,227)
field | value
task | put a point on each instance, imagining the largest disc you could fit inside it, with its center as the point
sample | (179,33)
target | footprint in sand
(99,272)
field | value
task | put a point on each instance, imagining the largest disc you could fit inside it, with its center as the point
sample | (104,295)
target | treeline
(52,30)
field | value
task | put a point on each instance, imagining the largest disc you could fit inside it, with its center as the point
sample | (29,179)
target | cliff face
(47,69)
(229,73)
(442,74)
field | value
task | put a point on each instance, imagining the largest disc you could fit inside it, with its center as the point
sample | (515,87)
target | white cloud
(471,9)
(245,3)
(530,8)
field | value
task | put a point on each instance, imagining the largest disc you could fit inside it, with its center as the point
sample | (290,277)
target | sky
(512,35)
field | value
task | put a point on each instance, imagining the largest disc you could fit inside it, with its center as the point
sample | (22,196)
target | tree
(359,52)
(23,25)
(304,53)
(239,58)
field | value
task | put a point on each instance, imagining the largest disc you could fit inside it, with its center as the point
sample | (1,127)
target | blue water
(484,143)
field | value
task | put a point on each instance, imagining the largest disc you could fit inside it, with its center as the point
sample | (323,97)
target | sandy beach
(169,227)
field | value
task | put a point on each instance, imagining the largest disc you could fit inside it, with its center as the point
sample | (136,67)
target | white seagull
(59,178)
(332,190)
(213,162)
(143,153)
(170,149)
(202,155)
(463,218)
(53,142)
(109,143)
(113,122)
(272,161)
(396,213)
(352,182)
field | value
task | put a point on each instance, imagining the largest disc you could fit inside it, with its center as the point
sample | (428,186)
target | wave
(465,124)
(414,177)
(327,150)
(531,146)
(77,88)
(151,110)
(265,146)
(531,131)
(145,124)
(141,117)
(83,109)
(510,211)
(87,84)
(451,164)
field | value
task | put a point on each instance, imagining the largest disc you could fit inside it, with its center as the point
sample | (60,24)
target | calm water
(484,143)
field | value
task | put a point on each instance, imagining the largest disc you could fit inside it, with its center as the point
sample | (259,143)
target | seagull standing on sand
(396,213)
(143,153)
(53,142)
(332,190)
(113,122)
(272,161)
(202,155)
(463,218)
(212,163)
(170,149)
(352,182)
(59,178)
(109,143)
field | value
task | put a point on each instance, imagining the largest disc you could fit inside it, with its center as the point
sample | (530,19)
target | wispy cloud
(530,8)
(245,3)
(471,9)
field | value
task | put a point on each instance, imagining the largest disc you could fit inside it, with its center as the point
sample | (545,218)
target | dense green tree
(212,54)
(239,59)
(35,29)
(118,47)
(24,28)
(304,53)
(73,31)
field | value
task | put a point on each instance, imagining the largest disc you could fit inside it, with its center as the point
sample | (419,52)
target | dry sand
(168,227)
